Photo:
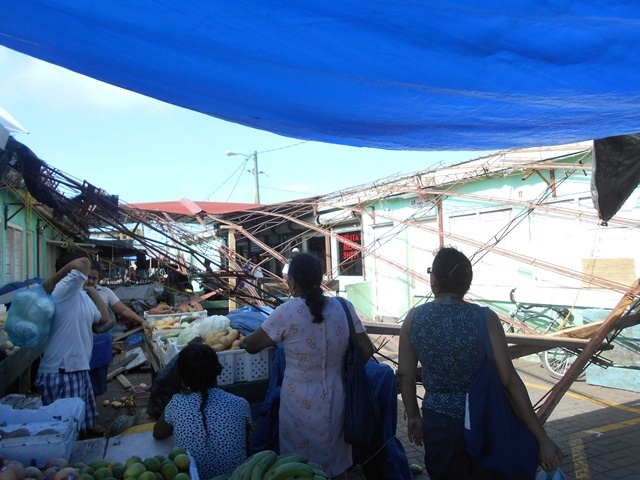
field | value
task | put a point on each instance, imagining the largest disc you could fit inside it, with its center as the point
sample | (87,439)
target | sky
(145,150)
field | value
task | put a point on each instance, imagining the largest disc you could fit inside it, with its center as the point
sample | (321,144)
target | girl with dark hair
(314,334)
(443,336)
(209,422)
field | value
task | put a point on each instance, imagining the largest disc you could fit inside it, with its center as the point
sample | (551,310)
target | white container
(240,366)
(237,365)
(155,318)
(64,416)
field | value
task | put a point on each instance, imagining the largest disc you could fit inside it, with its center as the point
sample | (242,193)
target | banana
(318,470)
(252,461)
(262,465)
(282,459)
(292,470)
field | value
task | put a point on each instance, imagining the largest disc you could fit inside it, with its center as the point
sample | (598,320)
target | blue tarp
(399,74)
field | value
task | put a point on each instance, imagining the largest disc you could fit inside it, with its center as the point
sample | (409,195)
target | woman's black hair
(306,271)
(453,270)
(199,368)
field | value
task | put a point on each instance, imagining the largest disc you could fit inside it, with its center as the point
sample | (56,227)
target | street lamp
(256,185)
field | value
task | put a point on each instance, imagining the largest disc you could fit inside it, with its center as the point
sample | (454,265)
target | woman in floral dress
(314,334)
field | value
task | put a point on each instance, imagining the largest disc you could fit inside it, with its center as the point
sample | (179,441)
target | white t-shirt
(109,298)
(71,338)
(107,295)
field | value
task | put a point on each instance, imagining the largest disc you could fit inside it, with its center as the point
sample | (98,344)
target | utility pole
(255,171)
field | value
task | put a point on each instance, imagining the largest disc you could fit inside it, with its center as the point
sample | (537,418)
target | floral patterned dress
(312,395)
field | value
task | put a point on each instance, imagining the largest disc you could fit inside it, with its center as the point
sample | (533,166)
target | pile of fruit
(267,465)
(174,466)
(175,322)
(229,339)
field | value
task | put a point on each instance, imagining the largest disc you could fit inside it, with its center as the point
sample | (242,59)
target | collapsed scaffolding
(78,210)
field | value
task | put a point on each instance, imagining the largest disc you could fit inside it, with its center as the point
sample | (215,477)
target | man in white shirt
(101,355)
(113,302)
(64,366)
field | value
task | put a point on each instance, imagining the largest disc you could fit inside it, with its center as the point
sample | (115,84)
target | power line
(282,148)
(229,178)
(238,180)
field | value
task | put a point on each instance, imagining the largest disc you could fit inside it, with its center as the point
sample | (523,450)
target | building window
(350,257)
(13,258)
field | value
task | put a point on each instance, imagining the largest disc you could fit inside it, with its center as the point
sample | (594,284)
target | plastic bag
(203,328)
(557,475)
(29,319)
(213,324)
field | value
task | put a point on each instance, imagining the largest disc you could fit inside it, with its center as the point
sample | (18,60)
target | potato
(219,347)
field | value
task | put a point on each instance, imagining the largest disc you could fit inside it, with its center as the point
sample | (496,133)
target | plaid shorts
(53,386)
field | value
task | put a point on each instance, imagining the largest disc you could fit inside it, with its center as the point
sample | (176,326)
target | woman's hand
(550,455)
(257,341)
(415,430)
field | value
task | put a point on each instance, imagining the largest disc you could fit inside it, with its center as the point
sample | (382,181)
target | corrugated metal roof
(185,206)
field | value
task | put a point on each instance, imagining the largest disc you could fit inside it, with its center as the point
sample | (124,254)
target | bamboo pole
(556,393)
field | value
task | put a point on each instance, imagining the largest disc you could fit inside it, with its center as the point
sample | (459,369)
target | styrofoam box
(122,447)
(155,318)
(64,415)
(237,365)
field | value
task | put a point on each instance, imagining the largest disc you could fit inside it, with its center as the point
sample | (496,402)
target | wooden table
(15,370)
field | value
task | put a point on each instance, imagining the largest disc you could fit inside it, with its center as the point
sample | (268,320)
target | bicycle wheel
(557,361)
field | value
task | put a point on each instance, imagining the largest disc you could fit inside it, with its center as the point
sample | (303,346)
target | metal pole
(256,186)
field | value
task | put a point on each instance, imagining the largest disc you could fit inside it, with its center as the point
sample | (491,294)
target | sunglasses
(430,270)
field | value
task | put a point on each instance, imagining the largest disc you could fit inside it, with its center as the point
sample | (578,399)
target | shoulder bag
(361,412)
(494,434)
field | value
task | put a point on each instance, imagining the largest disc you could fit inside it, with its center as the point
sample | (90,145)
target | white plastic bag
(203,328)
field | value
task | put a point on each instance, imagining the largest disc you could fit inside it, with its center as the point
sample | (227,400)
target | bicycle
(556,361)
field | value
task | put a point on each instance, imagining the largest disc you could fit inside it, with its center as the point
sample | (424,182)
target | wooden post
(327,256)
(233,280)
(610,324)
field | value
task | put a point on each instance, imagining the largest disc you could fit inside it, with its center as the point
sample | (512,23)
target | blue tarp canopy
(393,74)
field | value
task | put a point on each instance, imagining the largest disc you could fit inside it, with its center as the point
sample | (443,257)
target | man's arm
(81,264)
(124,311)
(101,305)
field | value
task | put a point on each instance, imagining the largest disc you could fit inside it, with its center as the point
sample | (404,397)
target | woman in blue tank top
(443,336)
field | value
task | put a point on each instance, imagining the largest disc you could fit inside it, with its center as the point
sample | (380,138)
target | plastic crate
(240,366)
(237,365)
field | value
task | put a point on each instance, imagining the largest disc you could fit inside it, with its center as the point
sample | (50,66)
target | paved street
(597,428)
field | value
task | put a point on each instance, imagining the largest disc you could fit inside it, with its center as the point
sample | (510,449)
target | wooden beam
(124,381)
(130,332)
(520,345)
(611,323)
